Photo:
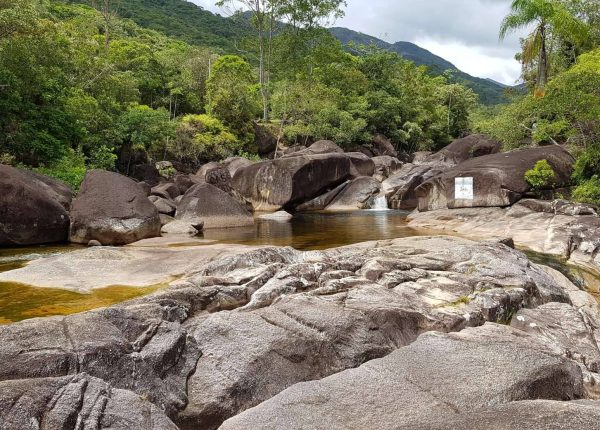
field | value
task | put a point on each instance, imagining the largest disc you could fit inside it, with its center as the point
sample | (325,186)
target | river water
(305,232)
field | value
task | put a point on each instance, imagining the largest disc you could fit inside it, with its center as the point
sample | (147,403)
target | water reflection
(319,230)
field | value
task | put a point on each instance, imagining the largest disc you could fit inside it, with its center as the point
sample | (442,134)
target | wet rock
(33,208)
(498,179)
(321,202)
(113,210)
(481,367)
(214,207)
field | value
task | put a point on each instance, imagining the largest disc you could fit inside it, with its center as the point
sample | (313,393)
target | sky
(464,32)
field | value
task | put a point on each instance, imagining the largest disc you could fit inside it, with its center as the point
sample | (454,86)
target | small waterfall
(380,203)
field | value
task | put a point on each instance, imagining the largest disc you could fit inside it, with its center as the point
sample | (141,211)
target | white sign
(463,188)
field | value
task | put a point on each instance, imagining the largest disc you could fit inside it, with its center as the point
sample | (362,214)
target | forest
(82,84)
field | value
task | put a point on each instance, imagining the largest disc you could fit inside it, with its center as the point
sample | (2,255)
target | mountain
(195,25)
(489,91)
(183,20)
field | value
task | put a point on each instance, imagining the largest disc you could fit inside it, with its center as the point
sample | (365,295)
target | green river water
(304,232)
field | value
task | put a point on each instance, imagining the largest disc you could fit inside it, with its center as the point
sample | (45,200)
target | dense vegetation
(561,67)
(111,88)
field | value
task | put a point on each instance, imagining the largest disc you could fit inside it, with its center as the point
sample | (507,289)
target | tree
(231,94)
(549,17)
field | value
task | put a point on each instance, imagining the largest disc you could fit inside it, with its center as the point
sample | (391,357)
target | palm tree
(548,18)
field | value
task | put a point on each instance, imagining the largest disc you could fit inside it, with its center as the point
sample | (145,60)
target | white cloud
(474,60)
(464,32)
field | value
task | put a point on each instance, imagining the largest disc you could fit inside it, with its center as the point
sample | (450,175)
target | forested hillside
(112,88)
(489,92)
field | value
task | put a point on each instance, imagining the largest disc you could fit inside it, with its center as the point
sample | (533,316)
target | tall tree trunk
(543,60)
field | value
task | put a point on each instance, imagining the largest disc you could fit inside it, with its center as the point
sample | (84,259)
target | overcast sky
(464,32)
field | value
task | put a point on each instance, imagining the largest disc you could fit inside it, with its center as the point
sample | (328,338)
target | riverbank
(238,330)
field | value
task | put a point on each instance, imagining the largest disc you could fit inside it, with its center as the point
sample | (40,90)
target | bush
(541,176)
(587,164)
(202,138)
(70,169)
(588,192)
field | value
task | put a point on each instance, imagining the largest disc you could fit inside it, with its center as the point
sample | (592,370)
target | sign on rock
(463,188)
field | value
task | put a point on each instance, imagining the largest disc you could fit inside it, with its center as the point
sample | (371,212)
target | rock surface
(244,324)
(385,166)
(355,195)
(529,223)
(33,208)
(400,188)
(437,376)
(498,179)
(286,182)
(215,207)
(113,210)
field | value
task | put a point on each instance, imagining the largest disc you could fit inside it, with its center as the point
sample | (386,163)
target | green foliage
(145,128)
(232,94)
(70,169)
(588,164)
(541,176)
(588,191)
(202,138)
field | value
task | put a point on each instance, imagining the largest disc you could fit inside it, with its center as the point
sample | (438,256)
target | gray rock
(165,219)
(530,415)
(286,182)
(498,179)
(164,206)
(385,166)
(33,208)
(113,210)
(214,207)
(436,376)
(321,202)
(318,148)
(381,145)
(277,216)
(188,227)
(355,195)
(400,187)
(233,164)
(76,401)
(362,165)
(215,174)
(166,190)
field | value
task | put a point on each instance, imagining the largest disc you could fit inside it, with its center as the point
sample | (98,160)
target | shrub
(587,164)
(588,192)
(70,169)
(203,138)
(541,176)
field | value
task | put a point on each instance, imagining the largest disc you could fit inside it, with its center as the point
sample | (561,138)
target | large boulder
(33,208)
(233,164)
(355,195)
(400,187)
(385,166)
(381,145)
(362,165)
(265,140)
(113,210)
(215,174)
(317,148)
(472,146)
(214,207)
(437,376)
(285,182)
(492,180)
